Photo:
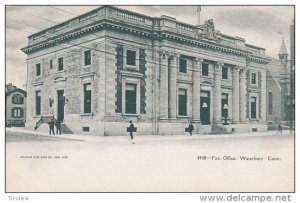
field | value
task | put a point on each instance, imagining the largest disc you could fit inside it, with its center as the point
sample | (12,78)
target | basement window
(85,129)
(254,129)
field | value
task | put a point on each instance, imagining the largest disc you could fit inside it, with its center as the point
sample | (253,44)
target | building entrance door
(60,105)
(205,108)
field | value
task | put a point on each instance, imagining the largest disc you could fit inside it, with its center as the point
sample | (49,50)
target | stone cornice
(143,32)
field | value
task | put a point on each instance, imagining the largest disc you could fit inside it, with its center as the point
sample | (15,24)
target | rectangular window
(182,65)
(253,107)
(38,103)
(87,58)
(87,98)
(130,99)
(15,113)
(38,69)
(253,78)
(204,69)
(182,102)
(224,73)
(130,57)
(17,99)
(51,64)
(224,105)
(270,98)
(60,64)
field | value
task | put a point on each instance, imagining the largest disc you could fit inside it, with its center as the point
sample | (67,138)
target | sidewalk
(95,138)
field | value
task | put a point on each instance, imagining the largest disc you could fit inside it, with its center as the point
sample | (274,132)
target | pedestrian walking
(191,128)
(51,126)
(131,130)
(279,129)
(58,127)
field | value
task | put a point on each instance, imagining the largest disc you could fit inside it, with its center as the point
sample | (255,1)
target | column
(173,68)
(196,89)
(163,90)
(217,93)
(236,95)
(263,97)
(243,92)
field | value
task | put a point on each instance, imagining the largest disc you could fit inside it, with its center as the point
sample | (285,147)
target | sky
(263,26)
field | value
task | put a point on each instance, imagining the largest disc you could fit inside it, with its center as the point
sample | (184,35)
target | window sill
(37,116)
(131,115)
(87,114)
(181,116)
(60,71)
(87,66)
(132,67)
(183,73)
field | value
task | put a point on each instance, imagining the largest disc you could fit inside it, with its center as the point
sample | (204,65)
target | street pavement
(37,162)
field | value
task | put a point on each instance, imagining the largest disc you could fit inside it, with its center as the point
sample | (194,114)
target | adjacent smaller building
(15,102)
(278,88)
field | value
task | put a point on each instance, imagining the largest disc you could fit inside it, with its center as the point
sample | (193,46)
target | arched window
(270,99)
(17,99)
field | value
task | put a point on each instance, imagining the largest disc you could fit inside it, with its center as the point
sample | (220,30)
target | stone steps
(65,129)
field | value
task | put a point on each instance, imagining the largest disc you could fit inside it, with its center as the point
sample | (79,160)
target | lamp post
(225,107)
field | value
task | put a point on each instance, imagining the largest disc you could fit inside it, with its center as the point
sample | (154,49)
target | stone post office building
(99,70)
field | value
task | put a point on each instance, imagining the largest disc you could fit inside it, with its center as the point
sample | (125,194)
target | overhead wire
(82,46)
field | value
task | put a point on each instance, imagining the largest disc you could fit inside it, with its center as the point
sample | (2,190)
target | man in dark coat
(131,127)
(191,128)
(58,127)
(279,129)
(51,126)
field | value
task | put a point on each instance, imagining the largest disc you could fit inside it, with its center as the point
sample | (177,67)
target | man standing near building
(51,126)
(58,127)
(279,130)
(131,130)
(191,128)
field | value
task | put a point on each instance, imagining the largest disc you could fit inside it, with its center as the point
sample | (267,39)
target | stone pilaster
(263,97)
(197,65)
(163,90)
(236,95)
(243,92)
(173,68)
(217,94)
